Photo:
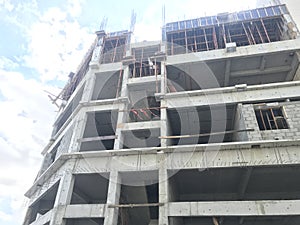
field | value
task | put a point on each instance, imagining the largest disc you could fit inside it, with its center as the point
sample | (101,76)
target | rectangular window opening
(272,118)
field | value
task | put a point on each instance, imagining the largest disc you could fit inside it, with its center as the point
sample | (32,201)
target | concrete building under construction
(201,127)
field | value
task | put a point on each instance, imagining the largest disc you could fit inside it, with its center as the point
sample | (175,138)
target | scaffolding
(250,27)
(114,46)
(144,63)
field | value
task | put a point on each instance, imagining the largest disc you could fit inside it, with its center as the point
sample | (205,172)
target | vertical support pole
(64,194)
(155,71)
(246,33)
(163,190)
(253,40)
(78,127)
(205,37)
(186,43)
(122,115)
(224,35)
(259,33)
(215,38)
(266,32)
(113,196)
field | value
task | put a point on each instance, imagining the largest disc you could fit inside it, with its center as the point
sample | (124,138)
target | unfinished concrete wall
(251,123)
(239,124)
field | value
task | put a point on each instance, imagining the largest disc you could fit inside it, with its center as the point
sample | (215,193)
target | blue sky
(42,41)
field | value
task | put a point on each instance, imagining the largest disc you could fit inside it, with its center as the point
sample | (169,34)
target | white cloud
(26,118)
(57,45)
(6,63)
(6,4)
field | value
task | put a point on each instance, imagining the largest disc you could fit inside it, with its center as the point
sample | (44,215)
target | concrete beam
(227,72)
(190,160)
(85,211)
(232,95)
(235,208)
(144,81)
(256,72)
(245,51)
(139,125)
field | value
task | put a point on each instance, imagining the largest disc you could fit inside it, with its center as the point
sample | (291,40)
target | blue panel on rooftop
(262,12)
(270,11)
(195,23)
(203,22)
(209,21)
(189,24)
(215,21)
(254,13)
(181,25)
(175,26)
(248,15)
(241,16)
(277,10)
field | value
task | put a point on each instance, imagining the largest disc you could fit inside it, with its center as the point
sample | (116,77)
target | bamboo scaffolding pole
(259,33)
(205,134)
(266,32)
(251,35)
(205,39)
(215,221)
(246,33)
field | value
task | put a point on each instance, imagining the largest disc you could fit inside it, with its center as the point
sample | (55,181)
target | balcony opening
(235,220)
(233,184)
(44,204)
(107,85)
(271,118)
(145,109)
(145,64)
(99,133)
(145,68)
(202,125)
(90,188)
(142,138)
(141,190)
(64,116)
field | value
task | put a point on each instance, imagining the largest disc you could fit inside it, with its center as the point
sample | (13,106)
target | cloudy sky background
(42,41)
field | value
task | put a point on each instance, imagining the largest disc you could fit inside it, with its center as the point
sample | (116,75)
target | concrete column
(164,78)
(63,196)
(163,190)
(163,111)
(89,86)
(124,90)
(78,129)
(113,196)
(122,115)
